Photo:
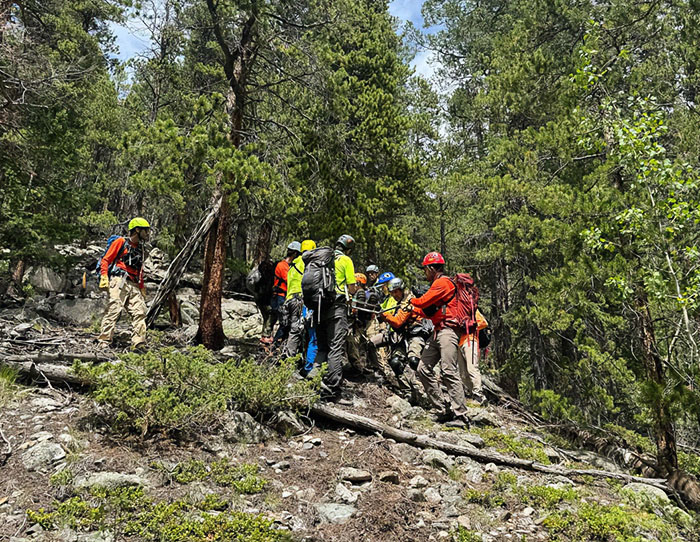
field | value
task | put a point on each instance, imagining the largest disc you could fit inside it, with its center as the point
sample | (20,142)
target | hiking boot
(480,400)
(442,417)
(140,348)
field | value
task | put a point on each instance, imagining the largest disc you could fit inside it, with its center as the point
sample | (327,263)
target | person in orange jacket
(439,305)
(121,273)
(405,338)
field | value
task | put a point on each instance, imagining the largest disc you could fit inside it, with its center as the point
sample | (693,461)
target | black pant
(332,331)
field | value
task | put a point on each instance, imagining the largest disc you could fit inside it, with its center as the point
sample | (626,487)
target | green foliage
(130,511)
(465,535)
(8,386)
(507,443)
(63,478)
(546,496)
(487,499)
(168,390)
(594,521)
(243,478)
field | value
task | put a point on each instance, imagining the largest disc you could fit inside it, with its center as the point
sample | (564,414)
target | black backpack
(318,282)
(259,282)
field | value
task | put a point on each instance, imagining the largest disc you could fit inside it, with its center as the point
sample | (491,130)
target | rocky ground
(318,481)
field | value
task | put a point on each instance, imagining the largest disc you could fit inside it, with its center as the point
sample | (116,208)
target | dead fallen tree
(180,263)
(369,425)
(49,372)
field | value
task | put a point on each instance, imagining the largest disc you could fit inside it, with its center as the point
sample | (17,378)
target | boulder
(432,495)
(46,280)
(335,513)
(42,456)
(389,477)
(241,427)
(344,494)
(398,405)
(355,476)
(81,312)
(437,459)
(109,480)
(287,423)
(650,491)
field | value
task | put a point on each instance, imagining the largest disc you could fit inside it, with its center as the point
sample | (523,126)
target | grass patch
(487,499)
(129,512)
(465,535)
(170,391)
(244,478)
(508,444)
(8,385)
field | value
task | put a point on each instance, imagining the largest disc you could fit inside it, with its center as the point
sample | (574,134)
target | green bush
(243,478)
(130,512)
(506,443)
(172,391)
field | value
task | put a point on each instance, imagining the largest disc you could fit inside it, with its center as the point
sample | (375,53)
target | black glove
(413,362)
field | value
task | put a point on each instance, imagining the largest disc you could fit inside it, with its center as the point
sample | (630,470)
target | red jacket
(124,253)
(442,295)
(280,285)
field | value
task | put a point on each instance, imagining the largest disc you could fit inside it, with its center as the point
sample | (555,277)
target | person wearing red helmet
(438,304)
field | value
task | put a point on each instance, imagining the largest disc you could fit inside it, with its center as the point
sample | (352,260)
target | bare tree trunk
(667,457)
(211,328)
(17,276)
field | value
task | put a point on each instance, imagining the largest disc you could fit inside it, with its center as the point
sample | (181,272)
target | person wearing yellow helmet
(121,274)
(296,310)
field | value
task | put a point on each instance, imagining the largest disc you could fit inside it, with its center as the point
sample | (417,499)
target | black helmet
(346,241)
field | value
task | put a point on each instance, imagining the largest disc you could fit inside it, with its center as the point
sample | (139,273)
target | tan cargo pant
(443,349)
(469,368)
(124,294)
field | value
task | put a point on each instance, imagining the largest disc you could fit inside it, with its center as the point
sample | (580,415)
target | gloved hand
(104,282)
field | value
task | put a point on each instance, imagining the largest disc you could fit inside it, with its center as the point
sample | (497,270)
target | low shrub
(129,512)
(243,478)
(172,391)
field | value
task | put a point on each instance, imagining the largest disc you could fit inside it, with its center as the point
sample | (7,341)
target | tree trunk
(264,244)
(665,436)
(211,328)
(501,333)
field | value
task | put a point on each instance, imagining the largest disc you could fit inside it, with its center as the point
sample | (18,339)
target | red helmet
(433,258)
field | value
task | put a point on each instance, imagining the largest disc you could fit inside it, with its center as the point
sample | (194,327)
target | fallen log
(53,374)
(57,357)
(180,262)
(370,425)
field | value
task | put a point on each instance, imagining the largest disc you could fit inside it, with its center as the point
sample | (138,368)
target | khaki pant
(469,368)
(443,349)
(124,294)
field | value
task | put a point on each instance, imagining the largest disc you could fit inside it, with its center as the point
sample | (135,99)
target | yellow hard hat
(138,222)
(307,244)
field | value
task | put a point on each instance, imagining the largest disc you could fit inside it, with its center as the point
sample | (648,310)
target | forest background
(552,153)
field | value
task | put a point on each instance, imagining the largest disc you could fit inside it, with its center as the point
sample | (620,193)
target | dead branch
(362,423)
(181,261)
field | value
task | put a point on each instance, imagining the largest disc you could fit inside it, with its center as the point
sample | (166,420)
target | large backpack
(318,282)
(98,265)
(464,303)
(259,281)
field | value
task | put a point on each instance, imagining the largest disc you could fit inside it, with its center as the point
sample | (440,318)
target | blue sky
(131,41)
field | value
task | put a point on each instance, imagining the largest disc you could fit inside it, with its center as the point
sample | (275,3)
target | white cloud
(408,10)
(130,42)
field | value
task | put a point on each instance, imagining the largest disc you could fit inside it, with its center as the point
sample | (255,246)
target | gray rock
(650,491)
(344,494)
(307,494)
(110,480)
(282,465)
(405,452)
(354,475)
(491,467)
(287,423)
(241,427)
(41,436)
(483,417)
(595,460)
(552,454)
(418,482)
(437,459)
(42,456)
(461,438)
(45,404)
(432,495)
(81,312)
(45,279)
(189,313)
(398,405)
(528,511)
(335,513)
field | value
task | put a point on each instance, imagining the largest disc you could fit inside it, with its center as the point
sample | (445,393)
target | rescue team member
(405,339)
(295,309)
(469,361)
(333,324)
(372,273)
(121,273)
(439,304)
(279,293)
